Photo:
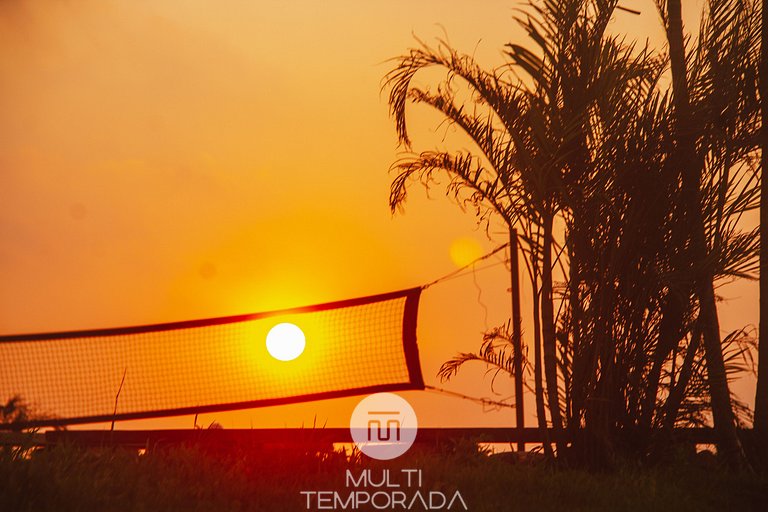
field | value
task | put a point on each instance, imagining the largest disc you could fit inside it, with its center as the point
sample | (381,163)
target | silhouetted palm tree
(579,146)
(761,395)
(719,122)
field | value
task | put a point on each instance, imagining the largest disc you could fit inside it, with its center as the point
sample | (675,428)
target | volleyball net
(352,347)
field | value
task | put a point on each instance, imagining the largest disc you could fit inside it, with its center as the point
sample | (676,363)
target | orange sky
(171,160)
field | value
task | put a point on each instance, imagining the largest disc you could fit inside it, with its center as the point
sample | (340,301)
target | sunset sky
(171,160)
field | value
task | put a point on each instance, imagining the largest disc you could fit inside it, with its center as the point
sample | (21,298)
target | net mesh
(352,347)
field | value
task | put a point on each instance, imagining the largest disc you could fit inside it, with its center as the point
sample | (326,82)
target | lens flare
(464,251)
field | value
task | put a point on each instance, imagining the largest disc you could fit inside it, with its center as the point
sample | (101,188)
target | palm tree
(577,145)
(693,141)
(761,396)
(534,162)
(492,181)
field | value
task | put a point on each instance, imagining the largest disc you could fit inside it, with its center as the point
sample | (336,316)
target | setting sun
(285,342)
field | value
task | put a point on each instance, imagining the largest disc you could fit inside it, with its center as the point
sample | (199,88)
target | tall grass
(191,478)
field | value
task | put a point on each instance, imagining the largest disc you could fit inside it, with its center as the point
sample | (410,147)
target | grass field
(190,478)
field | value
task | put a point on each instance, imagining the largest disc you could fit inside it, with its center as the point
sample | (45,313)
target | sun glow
(464,251)
(285,341)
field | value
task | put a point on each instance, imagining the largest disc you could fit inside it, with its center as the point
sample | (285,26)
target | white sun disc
(285,341)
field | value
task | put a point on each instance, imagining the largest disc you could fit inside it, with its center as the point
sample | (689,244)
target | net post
(410,346)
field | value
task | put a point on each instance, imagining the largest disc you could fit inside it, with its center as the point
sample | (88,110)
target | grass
(191,478)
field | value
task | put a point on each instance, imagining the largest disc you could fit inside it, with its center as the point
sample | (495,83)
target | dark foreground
(189,478)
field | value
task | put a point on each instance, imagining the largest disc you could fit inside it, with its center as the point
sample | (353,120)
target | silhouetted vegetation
(628,170)
(16,414)
(14,411)
(761,393)
(189,478)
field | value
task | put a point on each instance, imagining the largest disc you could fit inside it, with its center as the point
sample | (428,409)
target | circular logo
(383,426)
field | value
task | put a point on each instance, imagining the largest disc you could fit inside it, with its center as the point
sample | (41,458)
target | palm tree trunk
(761,397)
(548,336)
(670,332)
(541,413)
(517,337)
(722,411)
(691,171)
(574,384)
(676,395)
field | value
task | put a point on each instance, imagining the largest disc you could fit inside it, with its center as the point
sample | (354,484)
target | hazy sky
(169,160)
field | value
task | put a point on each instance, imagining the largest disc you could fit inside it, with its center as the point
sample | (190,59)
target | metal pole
(517,338)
